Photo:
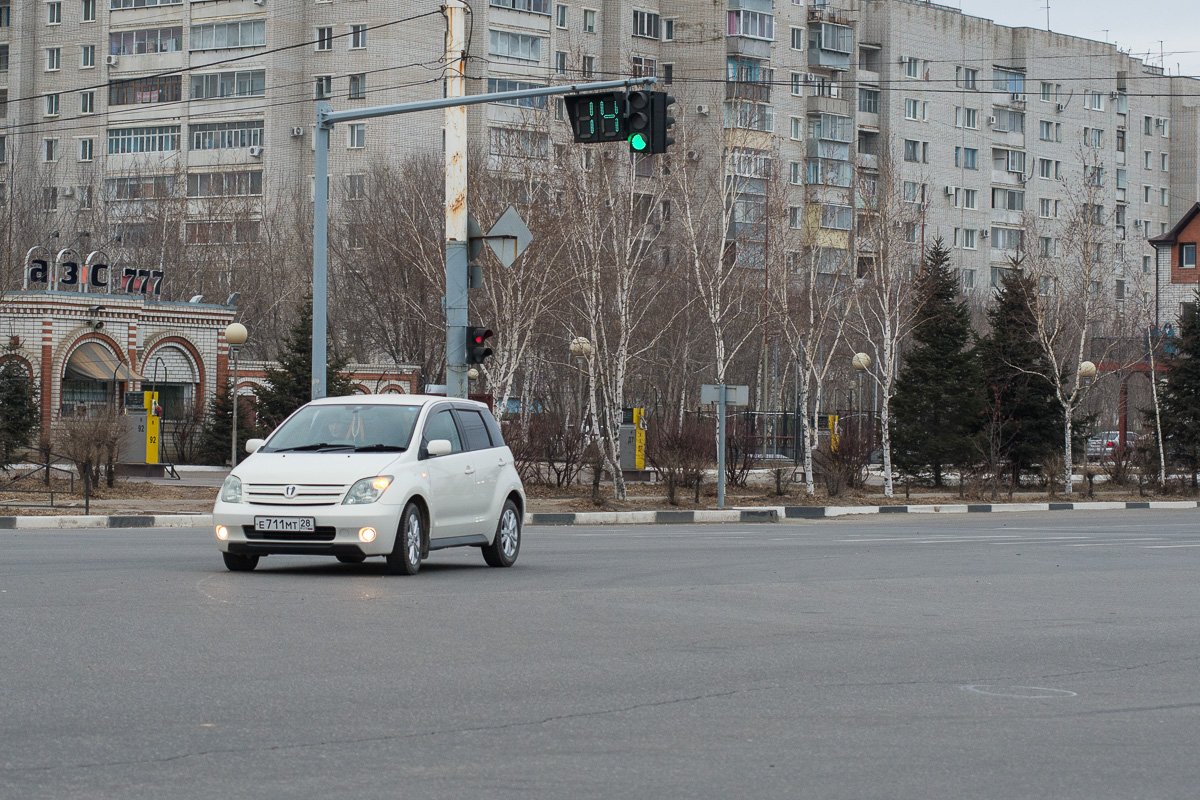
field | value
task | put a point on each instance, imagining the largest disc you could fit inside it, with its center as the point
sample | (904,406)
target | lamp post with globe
(1087,371)
(861,363)
(235,336)
(581,348)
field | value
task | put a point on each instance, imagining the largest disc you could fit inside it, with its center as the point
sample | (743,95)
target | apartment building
(108,102)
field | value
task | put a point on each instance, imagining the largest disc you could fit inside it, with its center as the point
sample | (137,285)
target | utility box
(140,444)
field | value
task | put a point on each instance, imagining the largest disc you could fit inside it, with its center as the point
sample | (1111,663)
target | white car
(376,475)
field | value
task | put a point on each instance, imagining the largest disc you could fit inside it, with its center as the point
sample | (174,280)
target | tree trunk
(810,486)
(1068,471)
(885,442)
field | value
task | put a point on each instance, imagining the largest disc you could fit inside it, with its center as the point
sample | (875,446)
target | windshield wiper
(379,448)
(317,446)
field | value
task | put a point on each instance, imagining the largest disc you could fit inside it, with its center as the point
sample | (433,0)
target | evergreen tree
(217,434)
(939,396)
(1025,420)
(1180,399)
(19,411)
(290,384)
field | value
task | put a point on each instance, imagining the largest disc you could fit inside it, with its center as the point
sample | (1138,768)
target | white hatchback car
(377,475)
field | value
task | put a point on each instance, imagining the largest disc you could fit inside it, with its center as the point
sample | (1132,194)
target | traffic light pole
(457,242)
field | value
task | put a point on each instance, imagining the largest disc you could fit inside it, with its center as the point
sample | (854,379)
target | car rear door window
(474,429)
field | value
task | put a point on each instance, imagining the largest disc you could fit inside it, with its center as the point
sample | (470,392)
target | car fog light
(366,534)
(222,533)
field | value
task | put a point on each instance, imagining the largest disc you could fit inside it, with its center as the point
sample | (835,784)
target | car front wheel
(405,558)
(505,547)
(239,563)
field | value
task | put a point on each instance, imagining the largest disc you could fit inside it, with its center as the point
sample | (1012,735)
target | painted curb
(758,514)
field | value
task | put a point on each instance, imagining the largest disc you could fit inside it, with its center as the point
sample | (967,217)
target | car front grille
(306,494)
(323,533)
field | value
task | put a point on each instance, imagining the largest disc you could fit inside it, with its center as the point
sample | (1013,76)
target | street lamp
(235,335)
(473,374)
(1087,371)
(861,363)
(581,348)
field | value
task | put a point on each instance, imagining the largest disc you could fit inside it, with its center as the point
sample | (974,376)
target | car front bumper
(336,534)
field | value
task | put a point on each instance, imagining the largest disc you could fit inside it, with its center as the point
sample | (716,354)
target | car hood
(314,468)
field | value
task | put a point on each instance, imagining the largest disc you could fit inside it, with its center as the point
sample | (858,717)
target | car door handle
(469,471)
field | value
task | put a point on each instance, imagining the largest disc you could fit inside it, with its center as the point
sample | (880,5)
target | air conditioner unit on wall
(1060,107)
(111,60)
(702,110)
(991,120)
(297,131)
(256,151)
(949,191)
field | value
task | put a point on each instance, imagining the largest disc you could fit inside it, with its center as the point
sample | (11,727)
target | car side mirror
(438,447)
(252,445)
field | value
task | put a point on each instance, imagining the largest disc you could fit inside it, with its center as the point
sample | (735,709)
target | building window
(966,118)
(797,38)
(1049,131)
(356,135)
(1093,137)
(646,25)
(54,13)
(966,157)
(1187,256)
(589,66)
(87,149)
(915,109)
(3,58)
(1165,161)
(515,45)
(838,218)
(240,232)
(324,39)
(965,77)
(145,90)
(161,139)
(87,56)
(916,151)
(506,85)
(589,21)
(323,87)
(912,67)
(358,86)
(53,59)
(1093,101)
(356,187)
(248,83)
(87,102)
(560,16)
(358,37)
(560,62)
(5,13)
(751,25)
(52,105)
(88,11)
(49,149)
(50,198)
(644,67)
(1008,80)
(532,6)
(229,35)
(226,135)
(149,40)
(224,184)
(118,4)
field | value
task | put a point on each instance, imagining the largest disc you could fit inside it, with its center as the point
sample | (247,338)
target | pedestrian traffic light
(477,349)
(639,121)
(660,122)
(597,117)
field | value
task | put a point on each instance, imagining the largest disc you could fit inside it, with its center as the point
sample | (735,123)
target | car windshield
(346,427)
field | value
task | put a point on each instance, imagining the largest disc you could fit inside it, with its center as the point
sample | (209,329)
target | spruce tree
(217,434)
(1025,418)
(290,383)
(1180,399)
(19,411)
(939,395)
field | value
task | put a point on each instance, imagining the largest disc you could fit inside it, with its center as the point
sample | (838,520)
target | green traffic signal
(638,142)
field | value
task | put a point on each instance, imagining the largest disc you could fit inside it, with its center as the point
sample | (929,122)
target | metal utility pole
(457,244)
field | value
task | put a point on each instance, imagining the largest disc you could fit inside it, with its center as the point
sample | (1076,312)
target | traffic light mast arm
(328,118)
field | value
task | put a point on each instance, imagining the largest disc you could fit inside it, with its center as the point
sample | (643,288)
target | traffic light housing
(661,122)
(639,121)
(477,349)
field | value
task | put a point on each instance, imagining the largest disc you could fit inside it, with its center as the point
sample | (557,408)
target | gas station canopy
(91,361)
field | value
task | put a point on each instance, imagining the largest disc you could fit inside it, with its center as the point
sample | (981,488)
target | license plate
(285,524)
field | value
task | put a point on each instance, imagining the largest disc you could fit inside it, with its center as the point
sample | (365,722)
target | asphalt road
(985,656)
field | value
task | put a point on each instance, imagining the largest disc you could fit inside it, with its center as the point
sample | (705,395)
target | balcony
(750,91)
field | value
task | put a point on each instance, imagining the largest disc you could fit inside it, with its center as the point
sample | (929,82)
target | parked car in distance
(395,476)
(1105,443)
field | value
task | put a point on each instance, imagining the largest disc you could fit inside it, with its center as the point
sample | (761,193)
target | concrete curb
(671,517)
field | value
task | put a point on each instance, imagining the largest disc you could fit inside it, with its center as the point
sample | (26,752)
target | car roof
(393,400)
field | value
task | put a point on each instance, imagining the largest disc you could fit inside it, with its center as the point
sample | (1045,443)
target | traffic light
(660,122)
(477,349)
(639,121)
(597,117)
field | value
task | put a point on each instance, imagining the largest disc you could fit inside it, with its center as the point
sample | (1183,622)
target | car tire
(235,562)
(405,558)
(351,559)
(506,545)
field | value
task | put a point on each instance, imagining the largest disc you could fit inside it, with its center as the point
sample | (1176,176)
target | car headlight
(368,490)
(231,490)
